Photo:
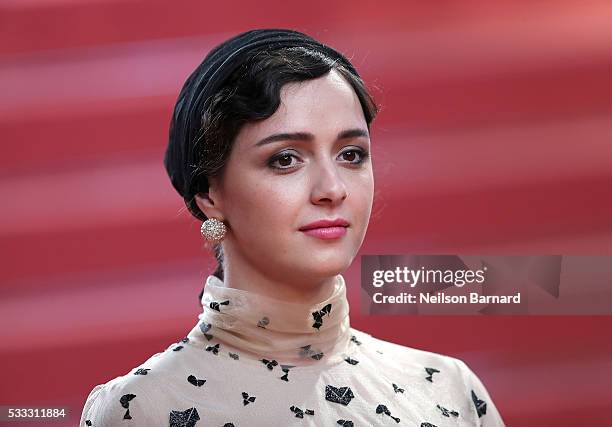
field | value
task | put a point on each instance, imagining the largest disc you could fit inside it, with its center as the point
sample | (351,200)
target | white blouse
(256,361)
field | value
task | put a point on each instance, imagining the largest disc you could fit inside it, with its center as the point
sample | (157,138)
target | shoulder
(120,400)
(448,374)
(406,357)
(133,398)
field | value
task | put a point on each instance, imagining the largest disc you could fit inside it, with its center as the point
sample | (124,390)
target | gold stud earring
(213,230)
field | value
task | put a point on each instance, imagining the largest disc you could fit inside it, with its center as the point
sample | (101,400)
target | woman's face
(274,185)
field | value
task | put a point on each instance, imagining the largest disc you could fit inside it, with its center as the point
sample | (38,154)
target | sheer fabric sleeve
(483,412)
(117,403)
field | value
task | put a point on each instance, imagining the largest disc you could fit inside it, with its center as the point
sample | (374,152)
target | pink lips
(326,229)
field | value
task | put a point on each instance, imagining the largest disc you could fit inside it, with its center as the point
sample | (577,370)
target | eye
(283,160)
(354,156)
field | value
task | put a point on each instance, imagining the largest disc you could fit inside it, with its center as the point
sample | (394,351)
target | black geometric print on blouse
(355,340)
(269,363)
(342,395)
(318,315)
(351,361)
(177,348)
(205,327)
(234,355)
(430,372)
(481,406)
(447,412)
(263,322)
(88,423)
(382,409)
(308,351)
(300,413)
(345,423)
(285,377)
(213,348)
(142,371)
(187,418)
(215,305)
(185,340)
(196,382)
(125,402)
(246,399)
(397,389)
(427,425)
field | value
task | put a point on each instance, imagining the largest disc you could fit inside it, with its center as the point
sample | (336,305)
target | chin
(328,267)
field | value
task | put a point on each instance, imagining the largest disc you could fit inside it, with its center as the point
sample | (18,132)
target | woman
(269,147)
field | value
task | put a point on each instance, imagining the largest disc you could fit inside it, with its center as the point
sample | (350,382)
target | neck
(291,330)
(243,276)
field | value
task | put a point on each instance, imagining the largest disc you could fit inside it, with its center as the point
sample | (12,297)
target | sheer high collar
(260,326)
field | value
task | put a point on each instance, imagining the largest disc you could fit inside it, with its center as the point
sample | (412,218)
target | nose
(328,184)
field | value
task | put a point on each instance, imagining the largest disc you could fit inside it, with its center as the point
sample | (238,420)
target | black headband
(181,159)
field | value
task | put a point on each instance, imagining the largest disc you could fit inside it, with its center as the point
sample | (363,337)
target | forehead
(323,106)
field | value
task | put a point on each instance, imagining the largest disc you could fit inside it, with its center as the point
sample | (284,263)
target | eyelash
(363,156)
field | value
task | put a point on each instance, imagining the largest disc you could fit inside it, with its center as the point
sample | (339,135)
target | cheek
(362,194)
(256,206)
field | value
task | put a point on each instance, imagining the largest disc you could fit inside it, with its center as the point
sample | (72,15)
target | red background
(494,138)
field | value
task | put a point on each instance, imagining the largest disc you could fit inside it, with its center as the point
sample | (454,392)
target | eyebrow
(305,136)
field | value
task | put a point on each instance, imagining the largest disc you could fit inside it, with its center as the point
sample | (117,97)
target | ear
(210,202)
